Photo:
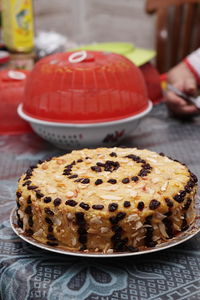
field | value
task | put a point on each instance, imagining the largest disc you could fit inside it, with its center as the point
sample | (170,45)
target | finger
(189,109)
(174,99)
(185,109)
(190,85)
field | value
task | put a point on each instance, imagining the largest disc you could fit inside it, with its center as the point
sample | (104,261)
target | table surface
(30,273)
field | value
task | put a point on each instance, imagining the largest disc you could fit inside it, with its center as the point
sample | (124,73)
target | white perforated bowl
(77,136)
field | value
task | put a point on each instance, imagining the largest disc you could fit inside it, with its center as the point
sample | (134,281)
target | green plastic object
(138,56)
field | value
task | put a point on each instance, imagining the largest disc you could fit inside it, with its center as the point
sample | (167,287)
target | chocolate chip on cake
(113,220)
(125,180)
(57,202)
(154,204)
(85,180)
(135,178)
(53,244)
(98,181)
(48,221)
(84,206)
(32,187)
(39,194)
(29,200)
(187,204)
(71,202)
(112,181)
(73,176)
(18,194)
(51,237)
(140,205)
(161,154)
(113,154)
(47,199)
(178,198)
(79,160)
(169,202)
(117,228)
(127,204)
(98,206)
(26,183)
(48,211)
(30,221)
(120,216)
(28,210)
(80,218)
(112,207)
(29,231)
(132,249)
(96,168)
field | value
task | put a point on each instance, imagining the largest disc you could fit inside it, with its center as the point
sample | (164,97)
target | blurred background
(85,21)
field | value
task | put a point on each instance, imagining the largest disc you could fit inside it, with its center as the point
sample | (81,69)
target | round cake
(106,200)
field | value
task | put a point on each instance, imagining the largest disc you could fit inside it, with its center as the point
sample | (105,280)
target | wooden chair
(177,30)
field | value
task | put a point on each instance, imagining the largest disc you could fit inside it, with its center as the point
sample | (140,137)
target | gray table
(30,273)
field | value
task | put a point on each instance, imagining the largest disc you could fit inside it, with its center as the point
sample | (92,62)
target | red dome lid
(84,87)
(12,90)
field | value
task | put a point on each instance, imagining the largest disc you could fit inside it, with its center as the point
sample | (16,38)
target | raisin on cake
(106,200)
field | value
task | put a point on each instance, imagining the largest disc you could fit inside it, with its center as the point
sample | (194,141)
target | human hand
(183,79)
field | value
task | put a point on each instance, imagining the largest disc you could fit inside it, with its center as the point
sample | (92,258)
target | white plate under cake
(106,200)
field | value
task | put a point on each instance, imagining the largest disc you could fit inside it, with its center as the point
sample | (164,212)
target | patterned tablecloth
(26,272)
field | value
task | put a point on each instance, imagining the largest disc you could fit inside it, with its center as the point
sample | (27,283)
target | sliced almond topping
(57,221)
(95,220)
(58,178)
(110,251)
(133,193)
(44,166)
(164,186)
(82,186)
(176,227)
(106,248)
(162,230)
(111,197)
(51,189)
(159,216)
(60,184)
(21,214)
(69,216)
(104,229)
(157,171)
(138,225)
(110,188)
(70,194)
(60,161)
(152,160)
(92,230)
(74,240)
(134,234)
(132,217)
(39,232)
(150,191)
(155,179)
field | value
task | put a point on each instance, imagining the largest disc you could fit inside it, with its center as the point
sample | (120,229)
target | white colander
(77,136)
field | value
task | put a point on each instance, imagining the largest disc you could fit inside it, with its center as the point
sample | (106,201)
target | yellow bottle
(17,23)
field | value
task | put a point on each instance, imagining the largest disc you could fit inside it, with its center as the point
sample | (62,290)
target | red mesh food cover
(11,94)
(85,87)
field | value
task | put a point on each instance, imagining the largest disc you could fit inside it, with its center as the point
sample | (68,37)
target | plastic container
(12,90)
(84,99)
(85,87)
